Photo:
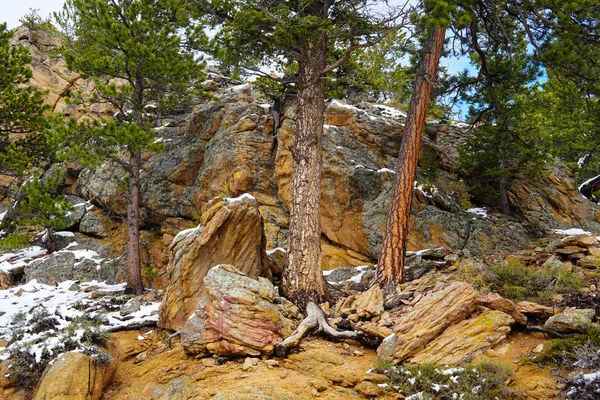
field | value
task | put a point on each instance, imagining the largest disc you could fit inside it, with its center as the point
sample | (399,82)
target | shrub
(473,382)
(517,282)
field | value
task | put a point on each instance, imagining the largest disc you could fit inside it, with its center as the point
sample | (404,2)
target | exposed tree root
(315,320)
(547,331)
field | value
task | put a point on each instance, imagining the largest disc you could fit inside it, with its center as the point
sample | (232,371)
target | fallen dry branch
(133,327)
(315,320)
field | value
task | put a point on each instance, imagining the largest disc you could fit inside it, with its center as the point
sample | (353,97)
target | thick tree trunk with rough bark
(134,274)
(302,278)
(390,268)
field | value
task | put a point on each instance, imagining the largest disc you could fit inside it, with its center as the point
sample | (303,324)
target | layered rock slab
(428,319)
(238,316)
(230,233)
(467,339)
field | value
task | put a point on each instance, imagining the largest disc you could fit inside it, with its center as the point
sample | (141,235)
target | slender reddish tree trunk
(390,268)
(302,278)
(134,274)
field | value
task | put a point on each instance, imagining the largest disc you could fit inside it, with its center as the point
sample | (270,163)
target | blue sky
(13,10)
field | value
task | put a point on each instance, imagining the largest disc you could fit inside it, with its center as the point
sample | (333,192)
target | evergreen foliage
(142,56)
(42,209)
(21,109)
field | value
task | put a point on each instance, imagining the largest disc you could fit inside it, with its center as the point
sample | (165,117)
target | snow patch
(240,198)
(275,250)
(346,106)
(478,211)
(571,232)
(65,234)
(386,171)
(20,258)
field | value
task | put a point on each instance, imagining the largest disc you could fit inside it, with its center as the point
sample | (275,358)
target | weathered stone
(238,316)
(74,376)
(341,274)
(584,241)
(594,251)
(131,306)
(231,234)
(257,393)
(93,224)
(369,389)
(462,342)
(589,262)
(369,304)
(571,320)
(568,250)
(534,309)
(497,302)
(428,318)
(553,262)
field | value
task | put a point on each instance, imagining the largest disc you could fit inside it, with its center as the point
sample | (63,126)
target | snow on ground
(23,306)
(386,170)
(478,211)
(20,258)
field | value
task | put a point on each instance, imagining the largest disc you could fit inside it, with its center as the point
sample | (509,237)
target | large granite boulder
(230,233)
(238,316)
(429,317)
(74,376)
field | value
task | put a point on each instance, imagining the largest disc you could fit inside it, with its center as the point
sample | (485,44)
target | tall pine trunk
(302,278)
(134,274)
(390,268)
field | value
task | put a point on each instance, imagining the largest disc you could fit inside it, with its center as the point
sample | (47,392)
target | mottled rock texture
(74,376)
(428,318)
(571,320)
(464,341)
(238,316)
(230,232)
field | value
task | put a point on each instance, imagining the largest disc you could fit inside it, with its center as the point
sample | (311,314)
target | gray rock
(93,224)
(571,320)
(341,274)
(131,306)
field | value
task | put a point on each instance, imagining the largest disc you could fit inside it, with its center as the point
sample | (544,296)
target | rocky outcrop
(74,376)
(230,232)
(52,75)
(428,318)
(227,147)
(553,201)
(464,341)
(571,320)
(238,316)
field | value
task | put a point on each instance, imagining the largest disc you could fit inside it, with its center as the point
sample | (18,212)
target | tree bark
(390,268)
(134,274)
(302,278)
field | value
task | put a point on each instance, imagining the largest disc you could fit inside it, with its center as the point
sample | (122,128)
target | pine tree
(299,34)
(141,53)
(39,206)
(21,109)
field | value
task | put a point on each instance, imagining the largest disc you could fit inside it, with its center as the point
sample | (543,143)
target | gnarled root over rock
(315,320)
